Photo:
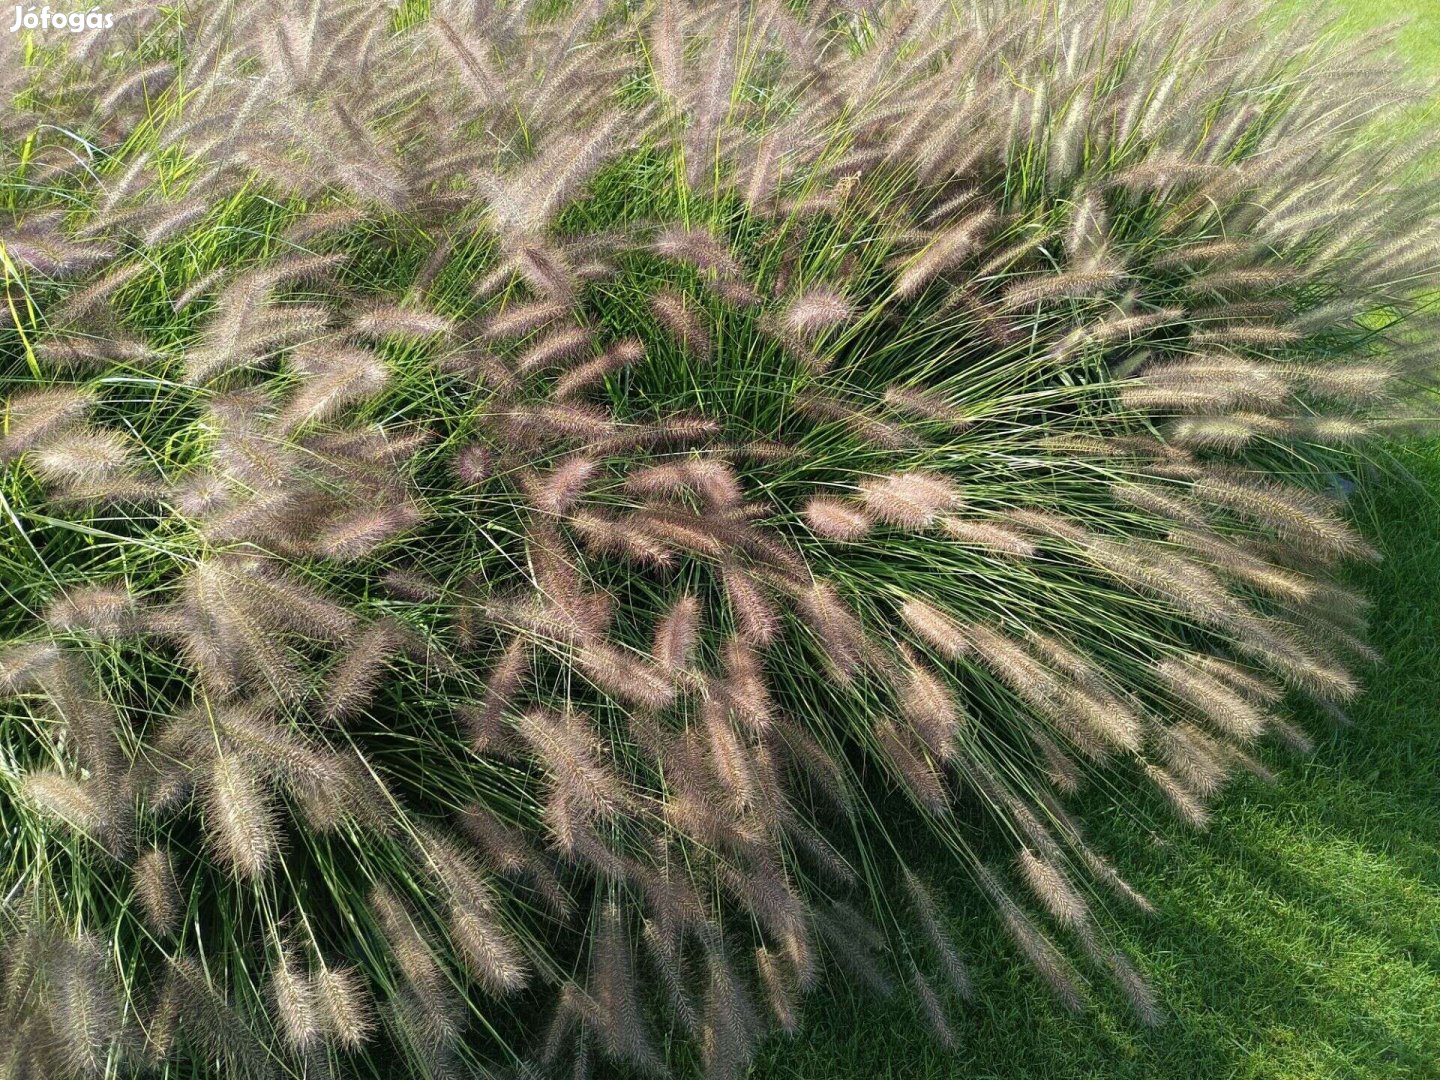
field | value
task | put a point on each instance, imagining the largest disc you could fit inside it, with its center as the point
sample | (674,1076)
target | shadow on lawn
(1298,938)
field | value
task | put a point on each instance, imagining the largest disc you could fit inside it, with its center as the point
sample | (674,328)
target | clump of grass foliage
(518,515)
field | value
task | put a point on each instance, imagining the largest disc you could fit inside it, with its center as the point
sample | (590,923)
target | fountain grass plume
(505,501)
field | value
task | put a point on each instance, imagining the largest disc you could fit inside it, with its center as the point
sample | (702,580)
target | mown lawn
(1300,937)
(1418,40)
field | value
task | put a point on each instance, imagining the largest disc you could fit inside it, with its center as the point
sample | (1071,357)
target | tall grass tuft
(517,516)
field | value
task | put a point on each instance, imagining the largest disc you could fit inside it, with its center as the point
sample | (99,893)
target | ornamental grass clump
(517,516)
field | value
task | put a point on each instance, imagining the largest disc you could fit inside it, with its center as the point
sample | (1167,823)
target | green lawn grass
(1300,937)
(1418,40)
